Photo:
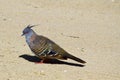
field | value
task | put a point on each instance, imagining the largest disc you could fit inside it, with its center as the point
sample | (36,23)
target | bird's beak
(22,35)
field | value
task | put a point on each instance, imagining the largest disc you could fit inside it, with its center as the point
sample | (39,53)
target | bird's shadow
(51,61)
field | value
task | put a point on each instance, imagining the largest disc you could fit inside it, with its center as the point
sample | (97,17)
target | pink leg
(41,62)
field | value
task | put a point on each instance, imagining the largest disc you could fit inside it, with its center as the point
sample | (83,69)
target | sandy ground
(89,29)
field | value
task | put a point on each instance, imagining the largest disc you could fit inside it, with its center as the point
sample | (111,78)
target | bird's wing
(47,48)
(39,45)
(61,53)
(56,51)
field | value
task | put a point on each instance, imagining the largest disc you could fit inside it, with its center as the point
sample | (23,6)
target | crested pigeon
(45,48)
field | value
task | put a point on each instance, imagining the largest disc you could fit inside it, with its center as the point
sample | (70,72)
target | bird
(44,48)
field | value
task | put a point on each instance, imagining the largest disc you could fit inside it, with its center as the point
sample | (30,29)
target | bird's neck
(30,36)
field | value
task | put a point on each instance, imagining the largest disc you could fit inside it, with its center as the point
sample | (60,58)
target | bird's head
(28,30)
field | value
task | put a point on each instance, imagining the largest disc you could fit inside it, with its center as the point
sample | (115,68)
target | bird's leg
(40,62)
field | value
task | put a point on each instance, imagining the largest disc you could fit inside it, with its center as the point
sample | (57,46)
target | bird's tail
(75,58)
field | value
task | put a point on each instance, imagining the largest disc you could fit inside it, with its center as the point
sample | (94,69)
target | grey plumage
(44,48)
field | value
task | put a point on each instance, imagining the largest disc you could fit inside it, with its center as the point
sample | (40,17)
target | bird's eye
(25,32)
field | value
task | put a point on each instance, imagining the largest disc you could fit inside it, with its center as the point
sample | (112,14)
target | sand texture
(88,29)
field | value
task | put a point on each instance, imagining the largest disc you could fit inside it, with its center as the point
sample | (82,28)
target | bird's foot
(41,62)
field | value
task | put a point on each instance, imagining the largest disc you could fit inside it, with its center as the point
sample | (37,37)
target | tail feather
(75,58)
